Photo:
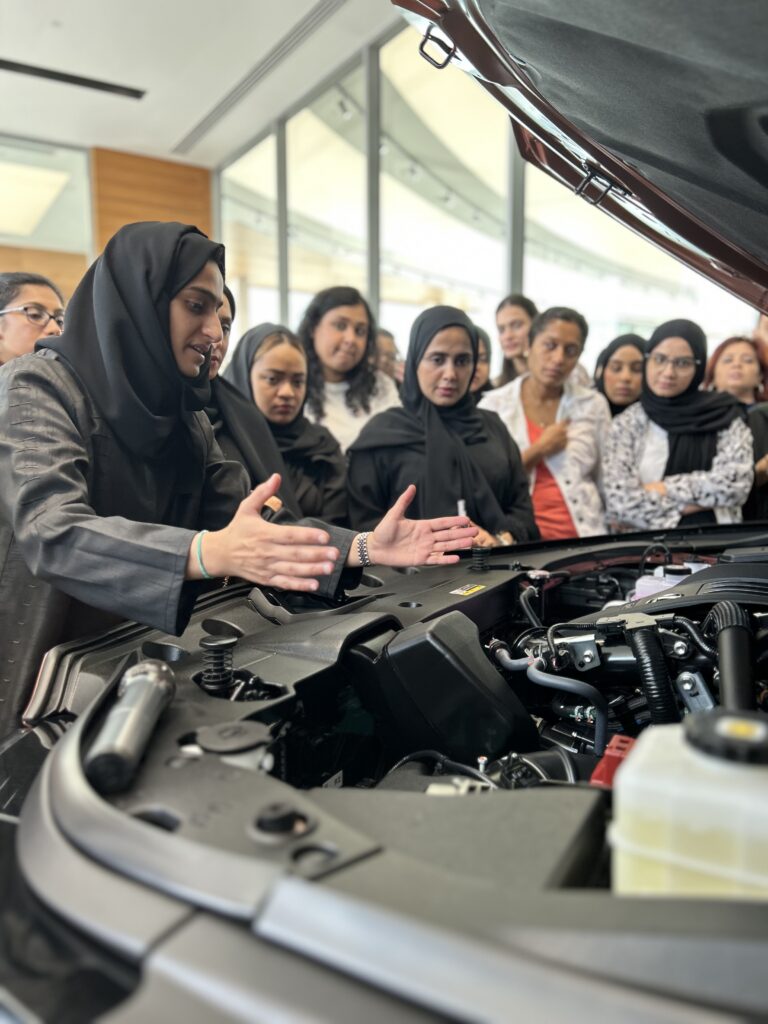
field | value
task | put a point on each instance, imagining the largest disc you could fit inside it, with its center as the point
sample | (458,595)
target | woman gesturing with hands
(293,557)
(115,495)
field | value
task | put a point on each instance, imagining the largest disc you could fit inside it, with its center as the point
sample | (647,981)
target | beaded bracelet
(362,549)
(203,571)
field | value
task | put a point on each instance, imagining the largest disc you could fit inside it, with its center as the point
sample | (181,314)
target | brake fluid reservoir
(691,809)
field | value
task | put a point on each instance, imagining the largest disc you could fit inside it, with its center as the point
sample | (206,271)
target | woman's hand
(401,542)
(657,487)
(761,471)
(289,557)
(552,440)
(483,538)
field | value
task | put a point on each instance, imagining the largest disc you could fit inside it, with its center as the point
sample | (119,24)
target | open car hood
(657,114)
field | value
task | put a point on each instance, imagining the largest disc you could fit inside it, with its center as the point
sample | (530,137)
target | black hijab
(606,355)
(445,435)
(298,440)
(694,418)
(117,340)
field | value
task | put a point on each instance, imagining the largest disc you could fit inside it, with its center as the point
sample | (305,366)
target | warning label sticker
(468,588)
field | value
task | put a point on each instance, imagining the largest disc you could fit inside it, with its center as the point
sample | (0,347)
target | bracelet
(199,549)
(362,549)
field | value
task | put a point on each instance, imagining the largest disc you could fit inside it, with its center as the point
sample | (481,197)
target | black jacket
(377,476)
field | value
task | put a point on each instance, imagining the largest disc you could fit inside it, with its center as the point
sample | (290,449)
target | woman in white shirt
(679,456)
(344,388)
(558,425)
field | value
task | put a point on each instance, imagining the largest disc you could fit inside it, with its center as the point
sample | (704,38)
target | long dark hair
(12,282)
(508,371)
(362,379)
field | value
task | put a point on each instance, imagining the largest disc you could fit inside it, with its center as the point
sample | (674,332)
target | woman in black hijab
(619,371)
(679,456)
(459,456)
(115,494)
(269,367)
(241,431)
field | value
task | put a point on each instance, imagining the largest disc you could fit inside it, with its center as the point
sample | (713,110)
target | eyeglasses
(681,363)
(37,315)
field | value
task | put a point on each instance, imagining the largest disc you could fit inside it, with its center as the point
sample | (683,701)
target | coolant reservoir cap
(730,735)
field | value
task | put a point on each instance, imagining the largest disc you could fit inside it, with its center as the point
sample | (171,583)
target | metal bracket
(448,49)
(603,185)
(694,691)
(582,650)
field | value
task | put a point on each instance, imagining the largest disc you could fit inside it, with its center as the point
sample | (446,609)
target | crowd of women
(137,459)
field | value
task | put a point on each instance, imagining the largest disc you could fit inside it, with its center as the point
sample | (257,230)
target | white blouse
(576,468)
(345,424)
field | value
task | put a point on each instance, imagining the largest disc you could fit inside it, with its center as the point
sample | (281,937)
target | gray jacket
(90,534)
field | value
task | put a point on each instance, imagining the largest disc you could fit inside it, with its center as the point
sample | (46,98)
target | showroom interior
(318,144)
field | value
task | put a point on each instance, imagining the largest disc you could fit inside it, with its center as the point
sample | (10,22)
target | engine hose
(693,632)
(657,687)
(734,647)
(505,659)
(527,595)
(536,674)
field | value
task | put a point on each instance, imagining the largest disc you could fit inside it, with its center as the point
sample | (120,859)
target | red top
(549,508)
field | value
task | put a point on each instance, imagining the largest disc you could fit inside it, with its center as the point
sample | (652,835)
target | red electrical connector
(615,752)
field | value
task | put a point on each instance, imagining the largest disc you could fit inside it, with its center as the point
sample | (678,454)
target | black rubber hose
(734,647)
(693,632)
(505,659)
(646,647)
(527,595)
(584,690)
(653,549)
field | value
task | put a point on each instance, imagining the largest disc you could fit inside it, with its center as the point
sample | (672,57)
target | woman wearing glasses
(344,388)
(679,456)
(31,307)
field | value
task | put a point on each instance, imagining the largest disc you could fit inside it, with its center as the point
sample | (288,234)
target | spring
(479,559)
(217,668)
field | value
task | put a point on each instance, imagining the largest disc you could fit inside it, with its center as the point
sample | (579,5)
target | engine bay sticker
(468,588)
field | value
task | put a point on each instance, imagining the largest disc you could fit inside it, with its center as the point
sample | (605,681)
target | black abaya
(452,454)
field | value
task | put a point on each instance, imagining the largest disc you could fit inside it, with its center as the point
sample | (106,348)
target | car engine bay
(441,745)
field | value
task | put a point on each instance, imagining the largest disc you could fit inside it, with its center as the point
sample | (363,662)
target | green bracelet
(204,572)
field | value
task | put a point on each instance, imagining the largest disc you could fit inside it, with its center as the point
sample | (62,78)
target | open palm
(401,542)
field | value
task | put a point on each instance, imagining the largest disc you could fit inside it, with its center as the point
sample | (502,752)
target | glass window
(47,228)
(577,256)
(327,223)
(249,232)
(444,151)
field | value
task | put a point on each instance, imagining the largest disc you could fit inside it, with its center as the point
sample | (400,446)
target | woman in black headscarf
(619,371)
(241,431)
(111,476)
(459,456)
(269,367)
(679,456)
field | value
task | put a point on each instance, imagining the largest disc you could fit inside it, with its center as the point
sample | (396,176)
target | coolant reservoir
(691,809)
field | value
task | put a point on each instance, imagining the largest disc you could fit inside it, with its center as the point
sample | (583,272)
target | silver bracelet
(362,549)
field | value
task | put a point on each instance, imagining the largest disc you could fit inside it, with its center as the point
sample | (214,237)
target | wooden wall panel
(128,188)
(64,268)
